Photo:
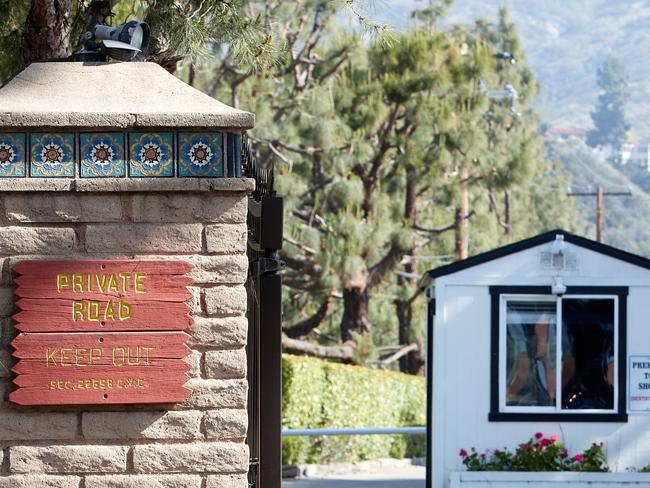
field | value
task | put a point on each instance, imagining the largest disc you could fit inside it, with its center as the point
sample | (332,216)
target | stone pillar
(196,444)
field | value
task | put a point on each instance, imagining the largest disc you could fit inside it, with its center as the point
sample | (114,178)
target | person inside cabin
(531,332)
(586,351)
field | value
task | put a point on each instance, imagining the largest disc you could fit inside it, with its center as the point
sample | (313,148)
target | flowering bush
(538,454)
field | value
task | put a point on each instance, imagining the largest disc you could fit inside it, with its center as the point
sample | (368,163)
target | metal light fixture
(124,42)
(558,287)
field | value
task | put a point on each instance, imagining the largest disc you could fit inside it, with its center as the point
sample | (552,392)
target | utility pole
(600,212)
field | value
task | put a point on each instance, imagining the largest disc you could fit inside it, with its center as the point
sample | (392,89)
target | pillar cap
(110,95)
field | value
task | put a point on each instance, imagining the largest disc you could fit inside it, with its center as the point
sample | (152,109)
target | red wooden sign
(101,332)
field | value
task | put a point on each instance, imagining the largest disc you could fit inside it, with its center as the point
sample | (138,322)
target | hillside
(625,217)
(565,42)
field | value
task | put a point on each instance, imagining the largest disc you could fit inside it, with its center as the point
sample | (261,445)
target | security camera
(124,42)
(558,288)
(506,56)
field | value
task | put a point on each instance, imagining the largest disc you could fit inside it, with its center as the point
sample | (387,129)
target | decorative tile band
(200,154)
(138,154)
(13,155)
(52,155)
(102,154)
(151,154)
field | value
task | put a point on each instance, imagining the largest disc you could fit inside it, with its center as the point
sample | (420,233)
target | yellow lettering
(89,281)
(101,282)
(110,311)
(139,282)
(125,310)
(62,281)
(77,282)
(96,353)
(78,309)
(113,284)
(126,281)
(50,356)
(147,358)
(129,358)
(78,357)
(93,310)
(65,359)
(115,356)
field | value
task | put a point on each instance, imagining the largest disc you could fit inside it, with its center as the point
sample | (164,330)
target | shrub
(317,394)
(538,454)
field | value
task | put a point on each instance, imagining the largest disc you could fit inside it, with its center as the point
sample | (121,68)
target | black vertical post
(265,222)
(431,312)
(270,386)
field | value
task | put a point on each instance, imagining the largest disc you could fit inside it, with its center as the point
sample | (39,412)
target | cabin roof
(540,239)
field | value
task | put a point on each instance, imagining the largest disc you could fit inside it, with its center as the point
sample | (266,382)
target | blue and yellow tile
(13,155)
(151,154)
(102,154)
(52,155)
(200,154)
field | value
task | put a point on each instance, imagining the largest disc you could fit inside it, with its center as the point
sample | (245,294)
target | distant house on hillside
(634,154)
(567,132)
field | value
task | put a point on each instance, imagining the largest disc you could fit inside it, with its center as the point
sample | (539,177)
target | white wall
(461,355)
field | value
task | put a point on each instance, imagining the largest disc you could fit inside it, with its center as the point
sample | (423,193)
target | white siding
(461,377)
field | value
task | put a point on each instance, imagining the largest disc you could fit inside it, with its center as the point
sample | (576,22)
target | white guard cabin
(549,334)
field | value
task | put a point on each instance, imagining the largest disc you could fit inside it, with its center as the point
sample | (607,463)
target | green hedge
(318,393)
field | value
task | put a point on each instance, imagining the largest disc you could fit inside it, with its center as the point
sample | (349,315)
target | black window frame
(621,411)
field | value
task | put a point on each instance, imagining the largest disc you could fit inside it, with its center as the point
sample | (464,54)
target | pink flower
(463,453)
(545,442)
(553,438)
(565,452)
(578,458)
(538,435)
(525,447)
(482,456)
(473,449)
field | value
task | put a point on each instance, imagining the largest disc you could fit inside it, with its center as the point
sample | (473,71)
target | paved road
(412,477)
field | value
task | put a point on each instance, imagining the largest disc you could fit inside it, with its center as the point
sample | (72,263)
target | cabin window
(558,355)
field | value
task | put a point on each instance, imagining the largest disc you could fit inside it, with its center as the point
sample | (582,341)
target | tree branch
(343,352)
(304,327)
(402,352)
(305,265)
(444,228)
(300,245)
(377,272)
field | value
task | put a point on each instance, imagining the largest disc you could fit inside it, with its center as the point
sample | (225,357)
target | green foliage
(537,454)
(371,142)
(609,117)
(14,16)
(318,394)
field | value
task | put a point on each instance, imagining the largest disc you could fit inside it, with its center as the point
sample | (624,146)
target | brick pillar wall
(197,444)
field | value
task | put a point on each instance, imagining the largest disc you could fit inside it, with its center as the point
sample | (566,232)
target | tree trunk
(47,32)
(508,212)
(461,217)
(355,313)
(412,362)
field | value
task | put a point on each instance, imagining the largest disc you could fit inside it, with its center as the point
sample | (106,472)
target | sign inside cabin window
(558,355)
(101,332)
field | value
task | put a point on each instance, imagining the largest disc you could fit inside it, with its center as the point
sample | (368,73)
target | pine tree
(371,146)
(610,125)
